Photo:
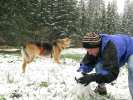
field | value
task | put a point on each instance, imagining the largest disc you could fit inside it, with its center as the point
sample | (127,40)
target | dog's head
(66,42)
(63,43)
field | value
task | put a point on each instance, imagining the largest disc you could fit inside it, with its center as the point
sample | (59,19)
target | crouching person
(106,53)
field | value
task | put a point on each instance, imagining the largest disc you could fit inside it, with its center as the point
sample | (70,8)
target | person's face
(93,51)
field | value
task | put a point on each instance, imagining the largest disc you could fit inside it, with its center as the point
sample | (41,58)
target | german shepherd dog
(58,46)
(33,49)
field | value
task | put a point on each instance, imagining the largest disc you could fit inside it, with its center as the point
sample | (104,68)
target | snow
(46,80)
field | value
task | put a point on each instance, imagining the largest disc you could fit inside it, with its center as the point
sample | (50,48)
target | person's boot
(101,89)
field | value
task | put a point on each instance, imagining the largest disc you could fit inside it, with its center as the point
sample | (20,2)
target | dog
(30,50)
(58,46)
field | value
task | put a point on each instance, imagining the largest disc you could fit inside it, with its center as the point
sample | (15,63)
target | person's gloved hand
(86,79)
(85,68)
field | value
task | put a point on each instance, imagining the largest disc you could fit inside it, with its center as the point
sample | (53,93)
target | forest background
(42,20)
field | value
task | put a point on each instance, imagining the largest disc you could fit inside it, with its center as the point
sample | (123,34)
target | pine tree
(127,22)
(61,15)
(95,13)
(103,25)
(111,17)
(82,18)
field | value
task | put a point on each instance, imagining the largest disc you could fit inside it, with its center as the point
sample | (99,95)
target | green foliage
(76,57)
(43,84)
(22,20)
(39,18)
(2,98)
(111,17)
(127,20)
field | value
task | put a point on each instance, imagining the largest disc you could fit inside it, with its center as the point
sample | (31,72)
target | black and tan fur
(58,46)
(35,49)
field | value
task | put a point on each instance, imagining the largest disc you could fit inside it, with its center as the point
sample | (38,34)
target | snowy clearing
(45,80)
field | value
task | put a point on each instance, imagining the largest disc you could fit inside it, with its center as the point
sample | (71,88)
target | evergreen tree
(103,18)
(127,22)
(82,17)
(95,13)
(111,17)
(61,16)
(20,15)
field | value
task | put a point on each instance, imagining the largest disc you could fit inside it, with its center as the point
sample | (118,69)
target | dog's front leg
(24,66)
(56,55)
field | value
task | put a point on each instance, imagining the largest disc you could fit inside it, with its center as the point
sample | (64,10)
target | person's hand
(86,79)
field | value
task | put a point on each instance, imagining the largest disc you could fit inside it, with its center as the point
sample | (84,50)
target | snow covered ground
(45,80)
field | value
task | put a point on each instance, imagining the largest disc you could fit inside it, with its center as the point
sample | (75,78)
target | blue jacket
(123,44)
